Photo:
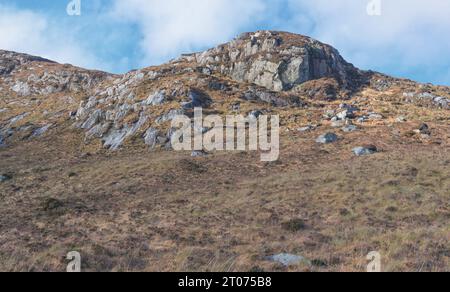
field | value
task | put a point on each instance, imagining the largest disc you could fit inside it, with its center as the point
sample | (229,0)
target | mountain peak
(278,61)
(257,71)
(11,60)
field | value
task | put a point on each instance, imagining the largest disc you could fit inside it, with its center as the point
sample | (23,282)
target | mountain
(86,165)
(270,69)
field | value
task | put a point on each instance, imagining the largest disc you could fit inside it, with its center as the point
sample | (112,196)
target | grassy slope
(163,211)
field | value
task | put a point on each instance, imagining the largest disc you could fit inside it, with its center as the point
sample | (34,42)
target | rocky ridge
(257,72)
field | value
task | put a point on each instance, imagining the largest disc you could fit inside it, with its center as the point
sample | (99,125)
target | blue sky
(409,39)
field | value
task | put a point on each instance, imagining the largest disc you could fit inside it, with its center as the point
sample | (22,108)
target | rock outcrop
(255,73)
(279,61)
(9,61)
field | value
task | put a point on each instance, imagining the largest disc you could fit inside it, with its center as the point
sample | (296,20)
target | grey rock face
(169,116)
(276,61)
(151,137)
(21,88)
(93,119)
(17,119)
(52,82)
(9,61)
(40,131)
(327,138)
(98,131)
(8,129)
(157,98)
(115,137)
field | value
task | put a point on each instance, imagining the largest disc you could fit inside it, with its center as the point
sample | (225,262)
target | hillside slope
(86,165)
(271,71)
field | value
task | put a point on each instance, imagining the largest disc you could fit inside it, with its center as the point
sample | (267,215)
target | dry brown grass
(135,210)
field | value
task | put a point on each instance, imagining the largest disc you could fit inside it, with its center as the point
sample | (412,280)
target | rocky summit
(86,161)
(264,70)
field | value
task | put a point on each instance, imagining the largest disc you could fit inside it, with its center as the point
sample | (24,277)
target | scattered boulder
(329,114)
(327,138)
(362,119)
(5,177)
(350,128)
(217,86)
(307,128)
(381,84)
(338,123)
(424,129)
(288,259)
(198,154)
(255,114)
(375,116)
(346,114)
(348,107)
(365,150)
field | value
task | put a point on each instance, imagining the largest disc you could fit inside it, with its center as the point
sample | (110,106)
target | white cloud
(172,26)
(410,35)
(30,32)
(409,39)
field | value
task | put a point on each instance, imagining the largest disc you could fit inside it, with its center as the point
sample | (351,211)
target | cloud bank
(408,39)
(30,32)
(173,26)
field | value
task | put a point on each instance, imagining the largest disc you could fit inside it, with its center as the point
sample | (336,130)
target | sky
(403,38)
